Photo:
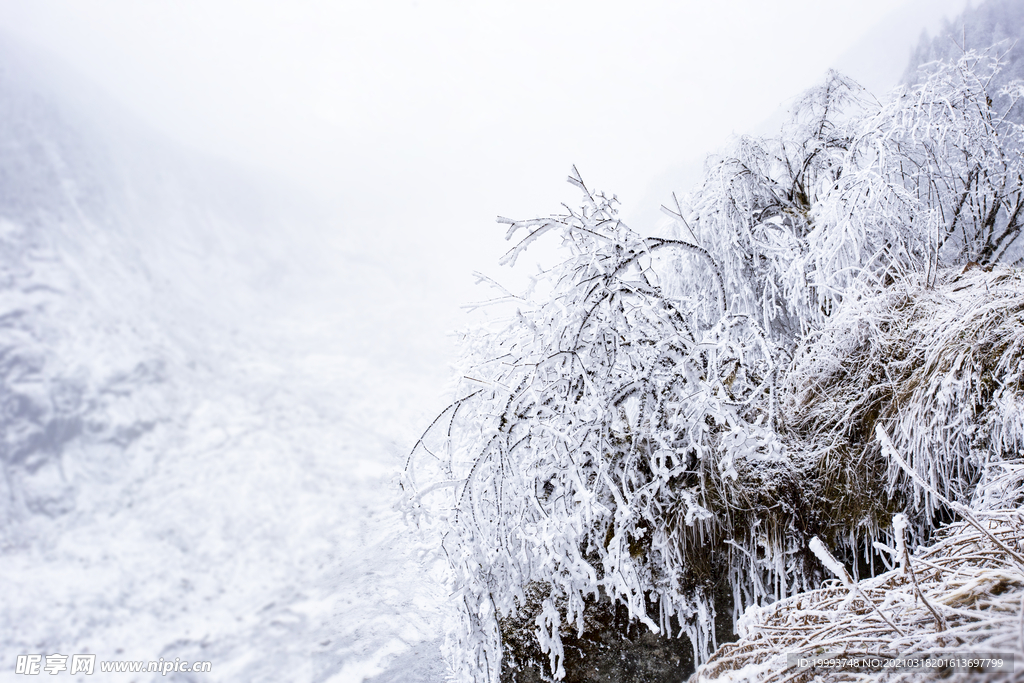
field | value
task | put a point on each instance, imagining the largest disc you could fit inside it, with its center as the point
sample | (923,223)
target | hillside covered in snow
(194,437)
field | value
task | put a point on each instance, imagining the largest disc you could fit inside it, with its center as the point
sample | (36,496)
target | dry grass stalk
(964,579)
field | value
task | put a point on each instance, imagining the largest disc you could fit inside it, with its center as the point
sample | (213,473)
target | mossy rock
(611,649)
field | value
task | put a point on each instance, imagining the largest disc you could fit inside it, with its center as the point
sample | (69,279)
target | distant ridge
(880,59)
(998,24)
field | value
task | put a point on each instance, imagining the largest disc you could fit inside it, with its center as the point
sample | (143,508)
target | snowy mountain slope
(195,463)
(256,539)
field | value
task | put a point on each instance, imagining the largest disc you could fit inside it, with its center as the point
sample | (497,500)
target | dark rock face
(611,649)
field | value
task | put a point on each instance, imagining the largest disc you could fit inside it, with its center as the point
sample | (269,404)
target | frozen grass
(962,595)
(940,368)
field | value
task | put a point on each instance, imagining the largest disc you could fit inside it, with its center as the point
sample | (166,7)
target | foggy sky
(421,121)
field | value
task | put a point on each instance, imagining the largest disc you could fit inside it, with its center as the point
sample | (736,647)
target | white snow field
(252,529)
(203,413)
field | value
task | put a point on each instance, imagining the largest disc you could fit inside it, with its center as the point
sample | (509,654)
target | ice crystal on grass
(962,595)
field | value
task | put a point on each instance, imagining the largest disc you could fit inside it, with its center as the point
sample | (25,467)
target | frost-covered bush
(954,160)
(659,420)
(598,428)
(857,193)
(756,213)
(999,23)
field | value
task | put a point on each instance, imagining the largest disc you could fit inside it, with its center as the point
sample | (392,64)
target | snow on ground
(254,529)
(204,403)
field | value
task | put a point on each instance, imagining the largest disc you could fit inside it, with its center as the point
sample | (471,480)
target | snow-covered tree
(619,439)
(582,448)
(996,23)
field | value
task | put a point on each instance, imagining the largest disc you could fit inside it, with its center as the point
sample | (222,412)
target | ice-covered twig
(899,528)
(887,445)
(837,568)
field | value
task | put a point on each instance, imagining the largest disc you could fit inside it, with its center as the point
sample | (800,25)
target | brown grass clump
(939,367)
(960,596)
